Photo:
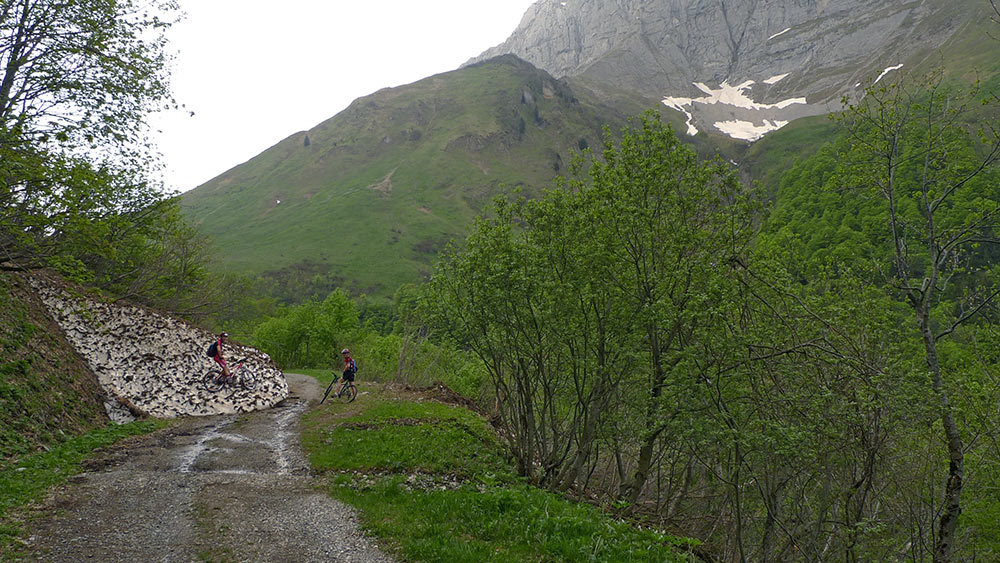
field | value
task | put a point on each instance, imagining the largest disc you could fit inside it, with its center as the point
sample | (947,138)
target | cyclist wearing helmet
(223,337)
(350,368)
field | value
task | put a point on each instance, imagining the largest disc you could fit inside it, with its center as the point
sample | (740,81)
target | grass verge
(431,480)
(27,479)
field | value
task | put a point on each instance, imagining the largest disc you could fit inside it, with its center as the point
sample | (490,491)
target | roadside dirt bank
(220,488)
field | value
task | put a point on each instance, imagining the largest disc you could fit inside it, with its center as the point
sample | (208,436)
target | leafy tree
(154,257)
(413,333)
(489,298)
(912,147)
(78,79)
(600,293)
(805,436)
(311,334)
(674,227)
(82,73)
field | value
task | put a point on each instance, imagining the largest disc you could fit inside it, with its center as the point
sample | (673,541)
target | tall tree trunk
(631,489)
(571,472)
(952,507)
(526,419)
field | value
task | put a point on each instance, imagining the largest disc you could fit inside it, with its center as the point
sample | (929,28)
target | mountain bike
(347,393)
(215,381)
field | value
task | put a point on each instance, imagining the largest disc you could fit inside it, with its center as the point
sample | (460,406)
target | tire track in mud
(284,417)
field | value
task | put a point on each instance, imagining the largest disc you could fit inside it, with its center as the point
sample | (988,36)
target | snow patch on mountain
(735,97)
(747,130)
(887,71)
(782,32)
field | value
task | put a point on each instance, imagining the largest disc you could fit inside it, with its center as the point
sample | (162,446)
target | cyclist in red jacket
(223,337)
(350,368)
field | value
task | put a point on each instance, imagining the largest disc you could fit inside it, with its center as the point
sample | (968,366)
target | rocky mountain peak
(739,67)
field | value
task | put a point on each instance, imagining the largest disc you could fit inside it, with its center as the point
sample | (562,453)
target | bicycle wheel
(348,393)
(248,382)
(328,389)
(213,381)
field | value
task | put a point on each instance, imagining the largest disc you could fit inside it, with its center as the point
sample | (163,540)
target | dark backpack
(213,350)
(354,367)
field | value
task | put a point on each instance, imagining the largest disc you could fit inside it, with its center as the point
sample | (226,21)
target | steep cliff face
(750,59)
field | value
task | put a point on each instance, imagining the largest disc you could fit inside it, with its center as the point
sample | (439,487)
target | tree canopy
(79,79)
(804,384)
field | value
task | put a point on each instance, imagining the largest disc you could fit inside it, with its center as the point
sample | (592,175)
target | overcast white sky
(256,71)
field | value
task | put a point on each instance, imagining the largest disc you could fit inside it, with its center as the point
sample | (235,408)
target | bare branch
(968,315)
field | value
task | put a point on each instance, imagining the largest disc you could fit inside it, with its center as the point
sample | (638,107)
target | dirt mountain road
(221,488)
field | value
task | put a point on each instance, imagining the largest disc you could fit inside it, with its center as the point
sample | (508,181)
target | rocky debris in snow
(149,363)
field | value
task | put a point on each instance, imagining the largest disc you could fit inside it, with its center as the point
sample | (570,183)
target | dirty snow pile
(149,363)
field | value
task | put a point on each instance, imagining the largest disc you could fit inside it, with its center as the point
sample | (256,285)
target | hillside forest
(803,370)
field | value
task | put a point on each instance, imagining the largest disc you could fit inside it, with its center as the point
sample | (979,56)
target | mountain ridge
(368,197)
(697,53)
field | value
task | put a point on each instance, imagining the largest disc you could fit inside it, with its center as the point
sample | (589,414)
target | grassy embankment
(51,415)
(26,479)
(431,481)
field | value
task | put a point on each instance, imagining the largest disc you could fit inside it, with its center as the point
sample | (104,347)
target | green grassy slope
(431,482)
(369,197)
(47,393)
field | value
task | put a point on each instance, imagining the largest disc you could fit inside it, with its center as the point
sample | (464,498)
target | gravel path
(221,488)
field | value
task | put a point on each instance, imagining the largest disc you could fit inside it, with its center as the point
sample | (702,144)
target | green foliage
(902,205)
(75,188)
(827,407)
(72,165)
(56,207)
(818,227)
(790,363)
(248,302)
(377,316)
(118,53)
(417,360)
(489,517)
(309,337)
(935,182)
(153,257)
(589,291)
(311,334)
